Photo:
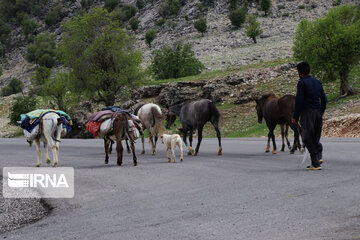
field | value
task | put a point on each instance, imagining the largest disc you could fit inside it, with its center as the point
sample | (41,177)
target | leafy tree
(150,35)
(253,28)
(28,25)
(54,15)
(1,70)
(21,105)
(14,86)
(233,4)
(2,51)
(86,4)
(238,16)
(265,6)
(330,45)
(101,56)
(176,62)
(42,51)
(4,32)
(170,8)
(200,25)
(160,22)
(134,23)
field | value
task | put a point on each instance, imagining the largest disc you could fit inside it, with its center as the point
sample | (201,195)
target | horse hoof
(38,165)
(189,153)
(196,153)
(292,152)
(169,160)
(143,152)
(119,163)
(128,151)
(181,159)
(274,152)
(302,150)
(48,161)
(55,164)
(135,163)
(282,150)
(267,151)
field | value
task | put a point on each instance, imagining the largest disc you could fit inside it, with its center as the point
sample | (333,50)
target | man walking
(310,105)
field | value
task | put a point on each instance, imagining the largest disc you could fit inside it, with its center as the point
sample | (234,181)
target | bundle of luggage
(30,122)
(101,123)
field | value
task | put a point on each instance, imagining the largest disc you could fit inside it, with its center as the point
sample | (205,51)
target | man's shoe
(321,161)
(313,168)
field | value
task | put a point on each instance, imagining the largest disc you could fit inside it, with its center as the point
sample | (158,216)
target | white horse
(150,115)
(51,130)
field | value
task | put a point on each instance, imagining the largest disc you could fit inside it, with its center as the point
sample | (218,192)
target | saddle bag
(106,126)
(132,128)
(30,136)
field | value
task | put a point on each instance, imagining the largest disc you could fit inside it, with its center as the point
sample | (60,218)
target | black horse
(194,115)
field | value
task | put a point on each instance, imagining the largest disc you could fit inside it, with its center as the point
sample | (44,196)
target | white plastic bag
(132,127)
(106,126)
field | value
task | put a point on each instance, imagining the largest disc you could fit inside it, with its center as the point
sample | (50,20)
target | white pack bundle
(106,126)
(132,127)
(30,136)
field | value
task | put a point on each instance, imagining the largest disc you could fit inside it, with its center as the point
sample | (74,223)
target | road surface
(243,194)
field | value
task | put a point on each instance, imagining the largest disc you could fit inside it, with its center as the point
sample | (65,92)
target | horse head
(170,118)
(259,110)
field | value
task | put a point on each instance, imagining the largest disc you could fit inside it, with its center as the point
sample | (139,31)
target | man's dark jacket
(309,93)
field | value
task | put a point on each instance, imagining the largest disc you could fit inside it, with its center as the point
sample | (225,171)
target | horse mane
(179,102)
(266,95)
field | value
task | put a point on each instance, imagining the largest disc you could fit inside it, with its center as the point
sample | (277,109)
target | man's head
(303,69)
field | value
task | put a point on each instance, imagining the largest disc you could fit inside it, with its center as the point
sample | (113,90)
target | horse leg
(46,153)
(190,141)
(184,139)
(218,135)
(296,138)
(282,137)
(55,146)
(119,150)
(111,145)
(38,152)
(151,140)
(199,140)
(301,146)
(272,136)
(143,143)
(106,146)
(287,135)
(127,146)
(133,152)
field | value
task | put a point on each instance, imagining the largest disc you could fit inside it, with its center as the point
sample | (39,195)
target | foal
(170,142)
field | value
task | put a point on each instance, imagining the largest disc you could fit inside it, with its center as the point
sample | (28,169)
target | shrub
(28,25)
(160,22)
(4,32)
(233,4)
(20,106)
(150,35)
(111,4)
(313,5)
(200,25)
(285,14)
(41,74)
(140,4)
(54,15)
(2,51)
(265,6)
(86,4)
(281,6)
(1,70)
(14,86)
(238,17)
(170,23)
(134,23)
(301,6)
(169,8)
(42,51)
(253,29)
(176,62)
(129,12)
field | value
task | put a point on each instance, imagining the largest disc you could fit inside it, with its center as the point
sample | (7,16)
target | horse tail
(215,114)
(157,117)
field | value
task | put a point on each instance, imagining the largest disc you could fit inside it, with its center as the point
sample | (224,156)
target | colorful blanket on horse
(31,119)
(116,109)
(100,116)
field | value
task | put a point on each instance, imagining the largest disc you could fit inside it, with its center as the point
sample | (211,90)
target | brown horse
(120,132)
(277,111)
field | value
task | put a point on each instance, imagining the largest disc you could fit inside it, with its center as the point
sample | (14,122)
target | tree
(21,105)
(101,56)
(176,62)
(233,4)
(265,6)
(134,23)
(330,45)
(253,28)
(150,35)
(201,25)
(238,16)
(42,51)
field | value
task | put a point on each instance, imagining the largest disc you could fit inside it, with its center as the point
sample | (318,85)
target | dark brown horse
(120,132)
(194,115)
(277,111)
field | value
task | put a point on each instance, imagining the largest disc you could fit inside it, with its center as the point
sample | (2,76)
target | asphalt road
(243,194)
